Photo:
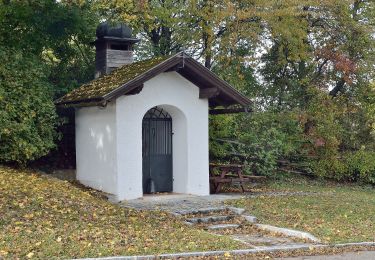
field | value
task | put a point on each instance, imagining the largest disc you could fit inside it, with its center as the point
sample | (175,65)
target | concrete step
(200,211)
(238,211)
(222,226)
(209,219)
(250,219)
(289,232)
(262,240)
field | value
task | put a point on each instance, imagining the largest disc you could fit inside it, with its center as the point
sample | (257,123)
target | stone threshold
(239,252)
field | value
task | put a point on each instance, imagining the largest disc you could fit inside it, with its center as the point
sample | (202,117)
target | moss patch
(107,83)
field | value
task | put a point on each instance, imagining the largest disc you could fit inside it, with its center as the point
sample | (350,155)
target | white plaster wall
(96,147)
(190,140)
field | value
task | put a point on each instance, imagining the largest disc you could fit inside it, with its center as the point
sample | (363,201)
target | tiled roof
(129,80)
(99,87)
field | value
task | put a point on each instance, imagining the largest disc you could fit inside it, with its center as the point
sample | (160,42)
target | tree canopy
(308,65)
(45,51)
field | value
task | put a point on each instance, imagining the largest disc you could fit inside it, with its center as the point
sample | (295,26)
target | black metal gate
(157,151)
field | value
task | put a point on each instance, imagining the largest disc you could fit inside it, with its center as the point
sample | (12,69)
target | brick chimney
(114,47)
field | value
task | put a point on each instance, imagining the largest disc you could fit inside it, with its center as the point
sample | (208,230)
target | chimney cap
(119,31)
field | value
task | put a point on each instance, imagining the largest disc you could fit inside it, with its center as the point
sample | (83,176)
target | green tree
(45,52)
(58,33)
(27,115)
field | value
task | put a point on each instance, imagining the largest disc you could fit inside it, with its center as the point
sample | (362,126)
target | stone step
(209,219)
(222,226)
(261,240)
(238,211)
(250,219)
(289,232)
(200,211)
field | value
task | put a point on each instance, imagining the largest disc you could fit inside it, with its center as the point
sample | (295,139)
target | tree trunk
(338,88)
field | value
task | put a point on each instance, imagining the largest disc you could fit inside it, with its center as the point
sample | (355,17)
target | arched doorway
(157,151)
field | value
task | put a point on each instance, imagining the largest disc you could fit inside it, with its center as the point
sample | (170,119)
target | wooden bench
(229,173)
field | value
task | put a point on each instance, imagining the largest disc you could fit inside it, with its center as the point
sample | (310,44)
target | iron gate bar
(157,151)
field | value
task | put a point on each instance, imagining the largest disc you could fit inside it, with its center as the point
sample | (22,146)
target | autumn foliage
(46,218)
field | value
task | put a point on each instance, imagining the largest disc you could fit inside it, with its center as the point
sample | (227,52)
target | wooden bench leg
(213,187)
(242,188)
(239,173)
(218,187)
(222,176)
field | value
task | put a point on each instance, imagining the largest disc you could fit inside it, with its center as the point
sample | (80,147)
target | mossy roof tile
(99,87)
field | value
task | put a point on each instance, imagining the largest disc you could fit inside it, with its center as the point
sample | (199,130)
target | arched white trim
(180,98)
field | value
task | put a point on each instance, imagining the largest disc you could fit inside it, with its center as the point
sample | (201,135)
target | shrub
(27,115)
(361,165)
(221,128)
(261,138)
(330,167)
(350,166)
(268,137)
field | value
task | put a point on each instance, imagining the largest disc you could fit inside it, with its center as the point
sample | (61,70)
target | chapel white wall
(190,140)
(96,147)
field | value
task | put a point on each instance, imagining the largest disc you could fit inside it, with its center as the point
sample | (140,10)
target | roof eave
(82,102)
(179,58)
(221,84)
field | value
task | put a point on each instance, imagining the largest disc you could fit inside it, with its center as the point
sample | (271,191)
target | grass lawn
(46,218)
(336,214)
